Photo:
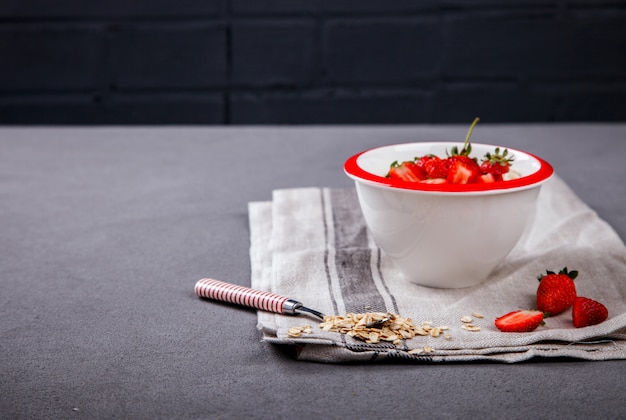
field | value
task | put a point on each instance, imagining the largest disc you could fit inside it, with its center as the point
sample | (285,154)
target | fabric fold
(312,245)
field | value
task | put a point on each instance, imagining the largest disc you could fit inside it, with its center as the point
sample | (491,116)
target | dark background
(311,61)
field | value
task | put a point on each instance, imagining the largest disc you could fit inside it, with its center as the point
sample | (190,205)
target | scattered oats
(409,334)
(373,337)
(444,328)
(477,315)
(421,331)
(466,319)
(435,332)
(447,336)
(420,350)
(294,332)
(393,330)
(470,327)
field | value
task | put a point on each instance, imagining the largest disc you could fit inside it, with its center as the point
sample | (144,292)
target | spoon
(240,295)
(265,301)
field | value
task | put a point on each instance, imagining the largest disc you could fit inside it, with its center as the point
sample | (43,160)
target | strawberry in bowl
(447,213)
(457,168)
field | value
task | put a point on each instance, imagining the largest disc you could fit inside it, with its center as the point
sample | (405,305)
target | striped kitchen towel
(312,245)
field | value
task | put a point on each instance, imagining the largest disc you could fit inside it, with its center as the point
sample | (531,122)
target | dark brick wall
(311,61)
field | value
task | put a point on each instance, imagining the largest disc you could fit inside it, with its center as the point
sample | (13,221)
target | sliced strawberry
(417,171)
(406,171)
(435,167)
(520,321)
(462,158)
(461,172)
(402,172)
(586,312)
(486,179)
(434,181)
(420,162)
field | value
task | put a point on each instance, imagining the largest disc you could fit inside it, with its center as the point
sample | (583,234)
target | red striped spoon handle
(240,295)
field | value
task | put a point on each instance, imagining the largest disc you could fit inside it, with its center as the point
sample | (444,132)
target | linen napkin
(312,245)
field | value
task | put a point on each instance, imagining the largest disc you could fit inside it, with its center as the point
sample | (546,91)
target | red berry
(406,171)
(462,158)
(556,292)
(457,168)
(520,321)
(434,181)
(496,163)
(486,179)
(435,167)
(588,312)
(420,162)
(462,172)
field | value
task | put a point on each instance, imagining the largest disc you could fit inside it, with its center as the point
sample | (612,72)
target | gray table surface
(104,232)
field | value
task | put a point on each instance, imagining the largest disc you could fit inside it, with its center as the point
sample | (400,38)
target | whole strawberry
(496,164)
(588,312)
(556,292)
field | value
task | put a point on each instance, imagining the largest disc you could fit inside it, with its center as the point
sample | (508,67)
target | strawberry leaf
(571,274)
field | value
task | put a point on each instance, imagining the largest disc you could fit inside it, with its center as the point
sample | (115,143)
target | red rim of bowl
(544,173)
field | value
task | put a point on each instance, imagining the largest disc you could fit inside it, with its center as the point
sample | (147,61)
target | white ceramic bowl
(445,235)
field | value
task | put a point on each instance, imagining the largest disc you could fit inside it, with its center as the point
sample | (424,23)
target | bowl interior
(372,165)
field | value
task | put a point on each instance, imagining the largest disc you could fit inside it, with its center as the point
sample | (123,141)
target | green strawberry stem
(469,133)
(467,146)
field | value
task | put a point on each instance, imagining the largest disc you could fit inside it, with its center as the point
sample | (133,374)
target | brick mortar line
(348,90)
(229,17)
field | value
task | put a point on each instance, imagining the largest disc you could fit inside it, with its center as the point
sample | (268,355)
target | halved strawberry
(588,312)
(462,158)
(434,166)
(420,162)
(486,179)
(434,181)
(520,321)
(462,172)
(406,171)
